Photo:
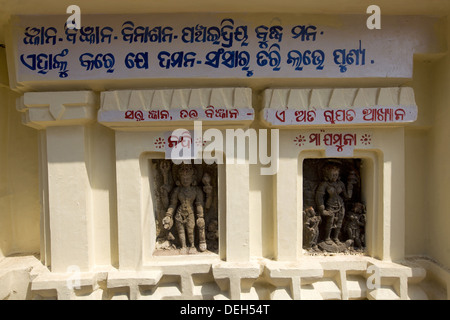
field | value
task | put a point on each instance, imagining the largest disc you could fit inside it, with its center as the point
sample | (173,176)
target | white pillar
(394,196)
(129,202)
(288,222)
(66,192)
(237,213)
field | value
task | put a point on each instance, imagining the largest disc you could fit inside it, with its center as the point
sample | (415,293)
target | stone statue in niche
(311,228)
(334,216)
(213,235)
(355,224)
(186,197)
(330,195)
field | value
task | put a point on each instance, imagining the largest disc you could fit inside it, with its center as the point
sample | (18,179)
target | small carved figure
(164,166)
(330,204)
(354,227)
(311,228)
(183,199)
(212,234)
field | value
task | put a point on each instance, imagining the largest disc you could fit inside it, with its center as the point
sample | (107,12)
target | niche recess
(165,181)
(348,221)
(143,121)
(364,125)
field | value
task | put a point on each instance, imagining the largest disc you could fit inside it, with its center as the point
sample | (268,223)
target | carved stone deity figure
(330,204)
(354,226)
(212,234)
(334,215)
(164,190)
(311,223)
(186,200)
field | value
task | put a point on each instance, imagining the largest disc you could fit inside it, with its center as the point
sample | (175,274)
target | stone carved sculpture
(330,195)
(186,208)
(164,196)
(354,227)
(334,217)
(311,228)
(213,235)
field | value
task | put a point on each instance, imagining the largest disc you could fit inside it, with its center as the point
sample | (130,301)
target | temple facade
(278,151)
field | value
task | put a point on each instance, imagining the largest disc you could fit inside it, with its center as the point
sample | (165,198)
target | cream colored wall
(417,148)
(19,183)
(437,217)
(5,199)
(427,168)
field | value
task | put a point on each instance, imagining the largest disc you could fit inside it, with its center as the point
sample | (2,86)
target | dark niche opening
(334,216)
(186,213)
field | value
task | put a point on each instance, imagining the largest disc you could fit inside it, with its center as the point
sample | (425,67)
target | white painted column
(70,198)
(288,221)
(135,209)
(287,232)
(67,198)
(129,202)
(237,213)
(394,196)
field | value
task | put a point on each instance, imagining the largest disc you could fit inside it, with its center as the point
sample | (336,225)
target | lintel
(175,108)
(339,107)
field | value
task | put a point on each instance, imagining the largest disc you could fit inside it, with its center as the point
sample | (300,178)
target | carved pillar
(66,199)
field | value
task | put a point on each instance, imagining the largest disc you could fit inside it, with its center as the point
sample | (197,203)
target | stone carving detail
(334,216)
(186,208)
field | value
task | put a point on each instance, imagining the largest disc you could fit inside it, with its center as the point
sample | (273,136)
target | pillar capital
(44,109)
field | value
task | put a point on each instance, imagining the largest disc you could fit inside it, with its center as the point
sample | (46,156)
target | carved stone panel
(186,208)
(334,215)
